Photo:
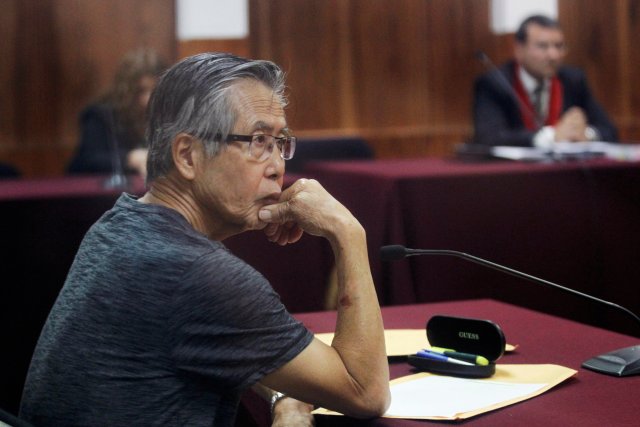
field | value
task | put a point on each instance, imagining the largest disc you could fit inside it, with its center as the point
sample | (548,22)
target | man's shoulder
(570,73)
(496,82)
(490,76)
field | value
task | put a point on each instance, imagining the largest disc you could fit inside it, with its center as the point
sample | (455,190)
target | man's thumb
(273,213)
(265,215)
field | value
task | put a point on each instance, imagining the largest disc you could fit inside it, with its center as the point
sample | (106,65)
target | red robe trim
(528,112)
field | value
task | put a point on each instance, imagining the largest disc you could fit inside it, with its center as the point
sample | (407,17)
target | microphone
(118,179)
(502,81)
(621,363)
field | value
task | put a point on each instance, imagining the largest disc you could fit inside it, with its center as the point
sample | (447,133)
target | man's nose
(276,161)
(555,52)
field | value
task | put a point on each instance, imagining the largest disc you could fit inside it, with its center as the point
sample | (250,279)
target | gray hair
(194,96)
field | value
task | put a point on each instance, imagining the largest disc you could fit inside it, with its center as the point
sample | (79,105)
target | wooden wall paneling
(87,67)
(391,61)
(400,71)
(411,64)
(34,82)
(390,65)
(346,77)
(629,47)
(304,39)
(260,43)
(601,37)
(101,34)
(58,55)
(457,30)
(8,48)
(592,35)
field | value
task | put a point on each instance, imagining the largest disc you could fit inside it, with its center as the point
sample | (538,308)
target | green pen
(473,358)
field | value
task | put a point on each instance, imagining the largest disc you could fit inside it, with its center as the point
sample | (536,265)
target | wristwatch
(275,397)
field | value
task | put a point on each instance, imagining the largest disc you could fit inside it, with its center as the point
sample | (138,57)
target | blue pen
(441,357)
(467,357)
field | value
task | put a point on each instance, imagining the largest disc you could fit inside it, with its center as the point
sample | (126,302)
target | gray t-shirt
(155,325)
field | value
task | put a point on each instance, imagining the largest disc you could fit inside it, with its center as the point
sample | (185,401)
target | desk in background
(588,399)
(575,223)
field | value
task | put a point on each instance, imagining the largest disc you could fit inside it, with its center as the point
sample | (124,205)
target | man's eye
(260,139)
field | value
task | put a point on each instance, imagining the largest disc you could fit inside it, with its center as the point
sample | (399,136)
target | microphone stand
(621,362)
(497,75)
(502,82)
(117,180)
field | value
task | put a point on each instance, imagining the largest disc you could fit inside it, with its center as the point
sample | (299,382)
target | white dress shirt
(546,136)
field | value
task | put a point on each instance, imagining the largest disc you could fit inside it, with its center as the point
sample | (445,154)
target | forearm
(286,411)
(351,376)
(359,337)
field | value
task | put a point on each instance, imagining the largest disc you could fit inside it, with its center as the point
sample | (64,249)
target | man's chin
(256,226)
(551,72)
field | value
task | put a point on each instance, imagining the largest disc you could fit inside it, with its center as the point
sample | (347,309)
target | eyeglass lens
(262,146)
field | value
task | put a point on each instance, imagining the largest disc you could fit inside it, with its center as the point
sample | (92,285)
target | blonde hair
(124,91)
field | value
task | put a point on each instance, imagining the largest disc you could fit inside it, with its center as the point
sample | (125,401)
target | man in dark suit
(533,100)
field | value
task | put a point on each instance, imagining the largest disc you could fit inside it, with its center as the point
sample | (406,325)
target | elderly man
(158,324)
(534,100)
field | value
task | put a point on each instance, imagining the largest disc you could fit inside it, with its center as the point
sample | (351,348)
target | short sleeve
(228,326)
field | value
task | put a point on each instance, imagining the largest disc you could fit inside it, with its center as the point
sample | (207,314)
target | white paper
(569,151)
(441,396)
(520,153)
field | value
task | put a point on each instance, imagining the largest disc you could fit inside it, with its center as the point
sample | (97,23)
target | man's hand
(137,160)
(305,206)
(352,375)
(572,126)
(289,412)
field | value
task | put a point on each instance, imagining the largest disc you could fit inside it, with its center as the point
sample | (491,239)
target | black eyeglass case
(465,335)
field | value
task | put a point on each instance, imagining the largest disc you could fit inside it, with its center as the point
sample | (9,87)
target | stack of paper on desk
(435,397)
(569,151)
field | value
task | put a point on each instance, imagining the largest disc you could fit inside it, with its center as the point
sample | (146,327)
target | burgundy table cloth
(587,399)
(573,223)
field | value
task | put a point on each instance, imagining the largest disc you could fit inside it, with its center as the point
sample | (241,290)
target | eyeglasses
(261,146)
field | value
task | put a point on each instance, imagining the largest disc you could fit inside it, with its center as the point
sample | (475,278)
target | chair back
(10,420)
(335,148)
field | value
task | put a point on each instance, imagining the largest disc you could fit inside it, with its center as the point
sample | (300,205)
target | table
(575,223)
(42,223)
(587,399)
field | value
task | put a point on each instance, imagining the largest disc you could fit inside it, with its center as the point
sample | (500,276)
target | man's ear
(186,151)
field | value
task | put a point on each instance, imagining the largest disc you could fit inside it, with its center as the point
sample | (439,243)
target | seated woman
(112,136)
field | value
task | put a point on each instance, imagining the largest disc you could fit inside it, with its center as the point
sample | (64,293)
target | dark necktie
(537,101)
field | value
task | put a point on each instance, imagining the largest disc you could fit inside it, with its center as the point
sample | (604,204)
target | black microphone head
(392,252)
